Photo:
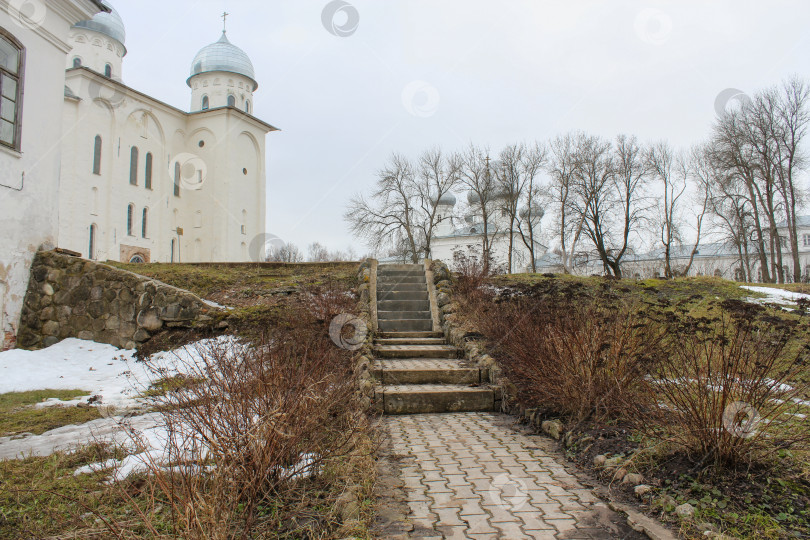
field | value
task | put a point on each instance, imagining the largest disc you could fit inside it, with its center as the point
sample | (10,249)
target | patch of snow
(100,370)
(209,303)
(774,296)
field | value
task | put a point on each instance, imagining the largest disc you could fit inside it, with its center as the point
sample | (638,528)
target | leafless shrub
(576,357)
(243,443)
(728,388)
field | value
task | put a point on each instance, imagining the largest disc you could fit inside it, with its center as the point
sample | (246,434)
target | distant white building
(34,43)
(142,181)
(711,259)
(466,235)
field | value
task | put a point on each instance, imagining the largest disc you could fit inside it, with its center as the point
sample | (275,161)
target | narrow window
(91,249)
(247,106)
(133,166)
(231,100)
(97,155)
(148,179)
(11,67)
(77,62)
(130,218)
(172,256)
(143,222)
(176,179)
(108,70)
(205,103)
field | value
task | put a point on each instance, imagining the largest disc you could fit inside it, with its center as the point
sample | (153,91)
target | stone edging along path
(472,474)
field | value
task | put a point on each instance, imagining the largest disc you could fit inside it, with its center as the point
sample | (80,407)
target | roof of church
(224,56)
(108,23)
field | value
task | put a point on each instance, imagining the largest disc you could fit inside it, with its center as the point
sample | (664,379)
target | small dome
(110,24)
(473,198)
(223,56)
(448,199)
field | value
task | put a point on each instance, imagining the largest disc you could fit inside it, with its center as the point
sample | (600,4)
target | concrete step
(402,295)
(416,351)
(435,398)
(424,371)
(399,267)
(410,335)
(401,287)
(403,305)
(411,341)
(403,315)
(405,325)
(399,274)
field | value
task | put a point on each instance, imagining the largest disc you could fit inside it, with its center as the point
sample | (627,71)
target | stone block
(50,328)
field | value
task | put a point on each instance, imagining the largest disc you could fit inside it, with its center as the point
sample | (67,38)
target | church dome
(110,24)
(223,56)
(537,212)
(448,199)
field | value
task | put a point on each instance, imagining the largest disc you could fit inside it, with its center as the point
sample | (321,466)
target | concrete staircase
(417,371)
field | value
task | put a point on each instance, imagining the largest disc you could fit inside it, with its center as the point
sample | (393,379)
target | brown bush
(578,357)
(728,386)
(247,445)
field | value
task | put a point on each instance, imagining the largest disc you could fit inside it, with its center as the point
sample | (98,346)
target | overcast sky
(401,76)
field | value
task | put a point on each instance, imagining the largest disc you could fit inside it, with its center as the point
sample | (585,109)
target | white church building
(92,165)
(142,181)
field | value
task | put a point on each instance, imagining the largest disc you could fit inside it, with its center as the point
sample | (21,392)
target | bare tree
(671,172)
(392,212)
(528,219)
(516,182)
(402,212)
(318,252)
(564,168)
(286,253)
(437,175)
(476,173)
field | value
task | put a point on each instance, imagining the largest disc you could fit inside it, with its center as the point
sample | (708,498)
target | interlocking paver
(470,475)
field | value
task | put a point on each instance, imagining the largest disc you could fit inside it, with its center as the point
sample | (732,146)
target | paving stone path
(472,475)
(452,468)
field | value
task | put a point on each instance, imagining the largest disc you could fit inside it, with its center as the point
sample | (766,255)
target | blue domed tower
(222,75)
(99,43)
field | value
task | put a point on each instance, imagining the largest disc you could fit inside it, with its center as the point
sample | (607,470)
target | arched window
(130,218)
(91,248)
(97,155)
(148,178)
(176,179)
(205,104)
(12,59)
(137,259)
(108,70)
(247,106)
(133,166)
(231,100)
(143,222)
(77,62)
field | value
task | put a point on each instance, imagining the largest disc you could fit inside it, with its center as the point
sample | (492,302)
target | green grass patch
(19,415)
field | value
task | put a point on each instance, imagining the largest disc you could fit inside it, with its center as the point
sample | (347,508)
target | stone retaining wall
(72,297)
